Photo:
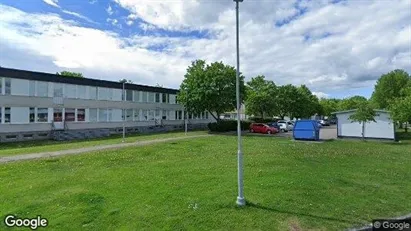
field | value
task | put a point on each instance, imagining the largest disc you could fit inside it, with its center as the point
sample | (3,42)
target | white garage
(383,128)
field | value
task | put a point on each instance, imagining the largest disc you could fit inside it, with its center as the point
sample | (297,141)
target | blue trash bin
(306,130)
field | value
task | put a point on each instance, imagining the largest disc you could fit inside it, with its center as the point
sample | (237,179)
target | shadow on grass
(257,206)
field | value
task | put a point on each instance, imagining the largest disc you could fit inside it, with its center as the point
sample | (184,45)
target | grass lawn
(192,185)
(9,149)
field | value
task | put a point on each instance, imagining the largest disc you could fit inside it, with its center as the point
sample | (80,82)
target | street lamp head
(238,0)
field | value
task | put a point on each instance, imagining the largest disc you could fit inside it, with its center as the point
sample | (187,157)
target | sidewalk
(6,159)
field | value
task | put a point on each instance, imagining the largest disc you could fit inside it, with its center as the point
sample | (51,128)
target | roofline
(353,110)
(49,77)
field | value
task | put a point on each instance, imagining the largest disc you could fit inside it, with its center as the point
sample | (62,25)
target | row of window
(46,89)
(41,115)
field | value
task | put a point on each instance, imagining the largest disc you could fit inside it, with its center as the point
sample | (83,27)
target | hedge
(261,120)
(227,126)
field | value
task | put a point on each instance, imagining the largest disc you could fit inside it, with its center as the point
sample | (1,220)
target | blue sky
(338,48)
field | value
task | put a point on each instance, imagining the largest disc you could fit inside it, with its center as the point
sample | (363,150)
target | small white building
(383,128)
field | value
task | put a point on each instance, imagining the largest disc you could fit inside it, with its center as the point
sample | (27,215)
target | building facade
(36,105)
(382,128)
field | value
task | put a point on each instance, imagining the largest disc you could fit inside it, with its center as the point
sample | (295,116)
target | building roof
(353,110)
(48,77)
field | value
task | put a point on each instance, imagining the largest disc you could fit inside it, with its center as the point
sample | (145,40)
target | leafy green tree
(351,103)
(71,74)
(400,108)
(210,87)
(389,87)
(307,104)
(364,114)
(287,99)
(261,97)
(329,106)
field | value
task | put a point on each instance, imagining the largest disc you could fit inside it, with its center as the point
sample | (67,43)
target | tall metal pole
(124,114)
(240,198)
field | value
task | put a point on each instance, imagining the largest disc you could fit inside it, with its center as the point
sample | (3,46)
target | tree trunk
(216,118)
(406,126)
(363,128)
(262,114)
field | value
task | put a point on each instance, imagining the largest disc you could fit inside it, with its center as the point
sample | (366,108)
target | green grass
(9,149)
(192,185)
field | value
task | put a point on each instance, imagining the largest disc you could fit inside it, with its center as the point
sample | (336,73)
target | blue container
(306,130)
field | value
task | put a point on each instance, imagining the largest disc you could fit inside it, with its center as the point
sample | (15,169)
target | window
(102,115)
(104,93)
(32,88)
(70,91)
(8,86)
(7,115)
(144,96)
(42,89)
(206,115)
(58,90)
(150,115)
(144,114)
(57,115)
(129,95)
(81,92)
(1,88)
(92,114)
(165,115)
(70,114)
(129,114)
(93,93)
(190,116)
(165,98)
(180,115)
(157,113)
(136,97)
(42,115)
(1,113)
(32,115)
(151,97)
(81,114)
(136,115)
(157,97)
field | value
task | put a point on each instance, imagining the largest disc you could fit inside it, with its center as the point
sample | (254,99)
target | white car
(285,126)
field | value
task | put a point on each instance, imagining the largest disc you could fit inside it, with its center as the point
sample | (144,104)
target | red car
(262,128)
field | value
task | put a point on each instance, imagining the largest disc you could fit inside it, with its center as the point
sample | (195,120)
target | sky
(337,48)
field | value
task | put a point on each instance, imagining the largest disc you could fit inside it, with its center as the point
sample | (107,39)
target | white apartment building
(36,105)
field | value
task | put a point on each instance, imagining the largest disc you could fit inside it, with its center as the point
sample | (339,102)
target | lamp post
(240,197)
(124,114)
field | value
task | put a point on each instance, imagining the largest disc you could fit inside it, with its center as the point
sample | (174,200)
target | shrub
(261,120)
(227,126)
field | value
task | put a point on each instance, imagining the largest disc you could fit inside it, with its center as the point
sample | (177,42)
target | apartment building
(35,105)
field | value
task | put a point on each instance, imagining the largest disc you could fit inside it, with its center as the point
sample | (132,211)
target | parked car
(333,121)
(324,122)
(274,125)
(285,126)
(262,128)
(319,124)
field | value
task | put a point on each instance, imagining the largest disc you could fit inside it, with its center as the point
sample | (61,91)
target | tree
(389,87)
(286,100)
(364,114)
(125,81)
(261,97)
(71,74)
(210,87)
(307,104)
(351,103)
(400,108)
(328,106)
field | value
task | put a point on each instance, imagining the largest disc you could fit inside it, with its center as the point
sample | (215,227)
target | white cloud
(78,15)
(321,95)
(362,40)
(109,10)
(52,3)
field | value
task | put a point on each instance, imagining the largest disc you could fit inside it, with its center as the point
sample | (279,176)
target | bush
(227,126)
(261,120)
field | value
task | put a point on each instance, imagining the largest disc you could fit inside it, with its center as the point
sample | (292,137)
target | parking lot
(326,133)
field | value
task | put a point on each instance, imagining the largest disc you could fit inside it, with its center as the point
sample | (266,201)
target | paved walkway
(6,159)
